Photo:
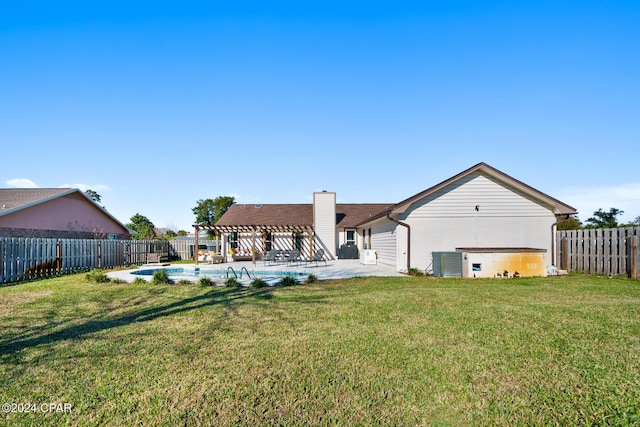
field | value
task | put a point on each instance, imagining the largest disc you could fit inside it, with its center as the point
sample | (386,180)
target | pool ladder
(236,274)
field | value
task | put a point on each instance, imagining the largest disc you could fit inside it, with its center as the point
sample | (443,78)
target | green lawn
(365,351)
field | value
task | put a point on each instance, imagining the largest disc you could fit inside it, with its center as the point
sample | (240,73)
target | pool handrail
(247,271)
(232,270)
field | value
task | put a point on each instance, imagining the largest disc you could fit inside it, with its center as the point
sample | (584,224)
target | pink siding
(69,213)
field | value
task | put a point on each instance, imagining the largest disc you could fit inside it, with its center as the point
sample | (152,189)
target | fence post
(632,257)
(564,254)
(58,256)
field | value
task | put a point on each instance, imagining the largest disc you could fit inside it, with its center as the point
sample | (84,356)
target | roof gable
(556,206)
(13,200)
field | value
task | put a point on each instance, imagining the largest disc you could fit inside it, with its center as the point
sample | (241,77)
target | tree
(601,219)
(571,223)
(93,196)
(143,227)
(170,234)
(204,212)
(209,211)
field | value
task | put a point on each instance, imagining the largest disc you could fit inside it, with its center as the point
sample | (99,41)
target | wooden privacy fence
(609,251)
(26,258)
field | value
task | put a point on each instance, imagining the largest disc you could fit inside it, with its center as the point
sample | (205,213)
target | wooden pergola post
(195,248)
(253,246)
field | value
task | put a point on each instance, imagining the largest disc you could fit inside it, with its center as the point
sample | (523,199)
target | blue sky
(156,105)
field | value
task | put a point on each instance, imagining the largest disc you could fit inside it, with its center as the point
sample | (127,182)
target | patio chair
(271,256)
(294,256)
(318,256)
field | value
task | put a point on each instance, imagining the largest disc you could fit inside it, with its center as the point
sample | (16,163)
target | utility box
(447,264)
(368,256)
(504,262)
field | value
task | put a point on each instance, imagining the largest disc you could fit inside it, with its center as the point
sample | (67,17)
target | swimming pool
(243,275)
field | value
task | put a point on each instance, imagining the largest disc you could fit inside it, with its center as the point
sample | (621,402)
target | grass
(365,351)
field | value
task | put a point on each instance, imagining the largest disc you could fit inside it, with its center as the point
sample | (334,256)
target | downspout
(408,239)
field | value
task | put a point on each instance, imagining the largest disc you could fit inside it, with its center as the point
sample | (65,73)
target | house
(56,213)
(478,223)
(324,224)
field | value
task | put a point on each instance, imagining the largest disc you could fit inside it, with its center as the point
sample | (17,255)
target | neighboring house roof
(294,215)
(16,199)
(556,206)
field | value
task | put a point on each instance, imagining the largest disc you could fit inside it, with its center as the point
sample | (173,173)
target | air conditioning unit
(447,264)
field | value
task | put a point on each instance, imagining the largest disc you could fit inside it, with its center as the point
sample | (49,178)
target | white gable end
(475,196)
(476,212)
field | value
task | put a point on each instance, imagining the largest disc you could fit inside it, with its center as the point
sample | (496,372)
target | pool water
(243,276)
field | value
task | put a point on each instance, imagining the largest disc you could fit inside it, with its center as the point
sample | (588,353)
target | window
(476,267)
(351,237)
(233,240)
(268,241)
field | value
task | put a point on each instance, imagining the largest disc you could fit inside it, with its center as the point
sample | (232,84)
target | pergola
(254,230)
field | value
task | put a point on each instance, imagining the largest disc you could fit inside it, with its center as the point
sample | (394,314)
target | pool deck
(335,269)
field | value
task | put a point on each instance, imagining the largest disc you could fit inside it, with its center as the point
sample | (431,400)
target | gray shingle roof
(347,215)
(17,198)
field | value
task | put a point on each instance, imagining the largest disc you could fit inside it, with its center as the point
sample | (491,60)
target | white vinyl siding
(449,219)
(324,221)
(492,199)
(384,242)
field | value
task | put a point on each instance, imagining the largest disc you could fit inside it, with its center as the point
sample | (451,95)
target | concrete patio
(335,269)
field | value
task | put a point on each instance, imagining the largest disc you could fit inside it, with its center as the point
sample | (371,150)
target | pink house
(56,213)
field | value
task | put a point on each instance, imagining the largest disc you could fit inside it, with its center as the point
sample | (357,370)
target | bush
(97,276)
(139,281)
(288,281)
(118,281)
(161,277)
(232,282)
(311,279)
(258,283)
(415,272)
(185,282)
(206,281)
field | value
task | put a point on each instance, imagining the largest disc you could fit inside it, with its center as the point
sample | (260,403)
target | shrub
(185,282)
(118,281)
(232,282)
(258,283)
(139,281)
(311,279)
(288,281)
(97,276)
(415,272)
(161,277)
(206,281)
